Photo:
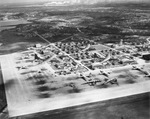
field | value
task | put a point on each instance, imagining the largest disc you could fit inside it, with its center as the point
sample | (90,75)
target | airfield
(34,83)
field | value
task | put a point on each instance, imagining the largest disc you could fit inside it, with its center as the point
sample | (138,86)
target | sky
(18,1)
(72,1)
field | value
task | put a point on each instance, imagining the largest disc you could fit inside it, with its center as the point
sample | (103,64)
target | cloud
(94,1)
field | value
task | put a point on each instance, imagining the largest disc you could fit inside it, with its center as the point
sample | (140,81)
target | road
(63,51)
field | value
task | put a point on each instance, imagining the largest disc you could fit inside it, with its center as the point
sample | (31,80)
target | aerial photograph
(74,59)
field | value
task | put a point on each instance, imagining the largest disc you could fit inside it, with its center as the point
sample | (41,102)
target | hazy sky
(85,1)
(19,1)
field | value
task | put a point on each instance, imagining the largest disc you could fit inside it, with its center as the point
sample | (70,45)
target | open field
(11,24)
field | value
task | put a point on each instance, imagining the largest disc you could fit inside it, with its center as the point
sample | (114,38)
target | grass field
(13,43)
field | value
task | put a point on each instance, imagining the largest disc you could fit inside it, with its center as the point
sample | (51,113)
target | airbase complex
(65,74)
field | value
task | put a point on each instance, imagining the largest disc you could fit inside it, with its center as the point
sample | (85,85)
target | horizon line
(99,2)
